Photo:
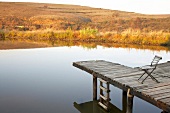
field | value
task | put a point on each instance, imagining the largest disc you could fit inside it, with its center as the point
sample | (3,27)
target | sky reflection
(44,80)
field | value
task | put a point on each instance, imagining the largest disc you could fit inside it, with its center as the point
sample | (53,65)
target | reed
(129,36)
(88,33)
(2,35)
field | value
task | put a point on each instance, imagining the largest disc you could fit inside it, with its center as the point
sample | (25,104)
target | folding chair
(150,68)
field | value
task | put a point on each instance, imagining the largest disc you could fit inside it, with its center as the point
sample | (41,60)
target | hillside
(38,16)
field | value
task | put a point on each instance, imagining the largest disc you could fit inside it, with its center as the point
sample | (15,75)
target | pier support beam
(94,87)
(129,102)
(95,106)
(124,93)
(124,101)
(164,112)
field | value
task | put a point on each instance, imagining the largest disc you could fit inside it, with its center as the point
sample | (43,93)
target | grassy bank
(128,36)
(56,22)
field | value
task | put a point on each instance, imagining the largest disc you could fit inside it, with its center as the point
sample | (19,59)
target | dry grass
(61,17)
(78,23)
(128,36)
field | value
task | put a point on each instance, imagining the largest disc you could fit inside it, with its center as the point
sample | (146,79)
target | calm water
(44,80)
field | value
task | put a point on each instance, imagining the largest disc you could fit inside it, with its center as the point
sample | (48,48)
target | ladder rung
(103,81)
(104,89)
(102,105)
(105,98)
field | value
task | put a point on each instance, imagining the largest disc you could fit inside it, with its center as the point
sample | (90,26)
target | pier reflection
(93,107)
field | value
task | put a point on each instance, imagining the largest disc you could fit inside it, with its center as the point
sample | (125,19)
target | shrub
(2,35)
(88,33)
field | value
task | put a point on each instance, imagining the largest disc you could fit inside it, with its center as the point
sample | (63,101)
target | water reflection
(44,80)
(89,45)
(93,107)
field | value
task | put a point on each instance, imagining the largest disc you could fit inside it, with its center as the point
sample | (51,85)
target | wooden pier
(126,78)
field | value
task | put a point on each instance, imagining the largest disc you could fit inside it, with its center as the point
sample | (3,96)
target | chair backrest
(155,60)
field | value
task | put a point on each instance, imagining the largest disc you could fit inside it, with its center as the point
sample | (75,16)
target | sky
(138,6)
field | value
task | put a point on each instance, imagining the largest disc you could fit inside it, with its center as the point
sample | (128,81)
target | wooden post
(95,106)
(124,93)
(94,87)
(164,112)
(130,102)
(124,101)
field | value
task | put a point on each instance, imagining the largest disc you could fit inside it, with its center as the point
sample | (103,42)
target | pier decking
(126,78)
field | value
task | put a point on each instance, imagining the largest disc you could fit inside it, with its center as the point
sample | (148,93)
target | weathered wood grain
(125,78)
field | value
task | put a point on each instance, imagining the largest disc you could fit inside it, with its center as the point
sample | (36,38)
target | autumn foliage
(35,21)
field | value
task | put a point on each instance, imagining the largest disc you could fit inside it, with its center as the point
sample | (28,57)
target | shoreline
(128,36)
(6,45)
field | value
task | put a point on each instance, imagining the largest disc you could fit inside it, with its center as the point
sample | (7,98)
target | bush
(167,43)
(88,33)
(2,35)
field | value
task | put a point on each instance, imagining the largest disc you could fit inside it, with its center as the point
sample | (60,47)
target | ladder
(104,95)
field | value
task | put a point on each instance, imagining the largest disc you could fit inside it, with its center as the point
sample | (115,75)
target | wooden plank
(104,89)
(132,73)
(168,103)
(158,95)
(127,80)
(104,69)
(105,98)
(104,106)
(157,89)
(157,85)
(158,92)
(134,86)
(150,85)
(94,64)
(165,100)
(149,82)
(125,77)
(164,64)
(162,97)
(103,81)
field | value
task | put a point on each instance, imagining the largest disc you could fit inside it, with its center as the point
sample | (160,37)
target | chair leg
(148,74)
(153,78)
(141,76)
(144,79)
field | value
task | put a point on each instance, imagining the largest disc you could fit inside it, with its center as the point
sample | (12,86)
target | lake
(43,80)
